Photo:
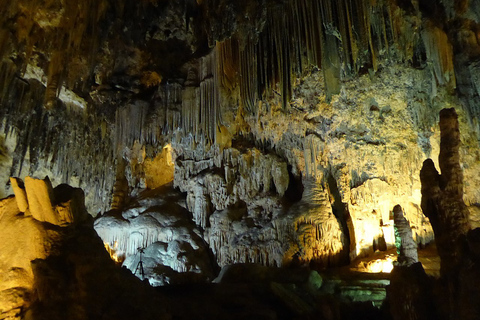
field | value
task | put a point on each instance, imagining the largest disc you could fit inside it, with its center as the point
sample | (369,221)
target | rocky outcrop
(230,178)
(20,194)
(242,199)
(442,201)
(356,110)
(410,294)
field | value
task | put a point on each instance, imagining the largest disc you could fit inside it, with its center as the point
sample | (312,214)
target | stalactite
(440,53)
(63,144)
(68,29)
(201,100)
(341,37)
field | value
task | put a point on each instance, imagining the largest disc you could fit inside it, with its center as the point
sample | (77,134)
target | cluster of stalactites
(341,37)
(69,143)
(201,109)
(148,123)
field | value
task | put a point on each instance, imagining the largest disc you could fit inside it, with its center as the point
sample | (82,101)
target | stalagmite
(442,194)
(406,247)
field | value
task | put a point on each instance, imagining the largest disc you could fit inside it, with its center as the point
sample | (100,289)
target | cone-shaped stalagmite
(406,247)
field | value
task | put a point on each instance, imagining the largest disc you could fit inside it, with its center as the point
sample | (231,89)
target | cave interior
(222,159)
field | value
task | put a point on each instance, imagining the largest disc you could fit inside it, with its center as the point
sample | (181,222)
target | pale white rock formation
(173,249)
(406,246)
(229,177)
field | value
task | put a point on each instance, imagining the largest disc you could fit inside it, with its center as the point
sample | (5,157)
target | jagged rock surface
(92,90)
(356,111)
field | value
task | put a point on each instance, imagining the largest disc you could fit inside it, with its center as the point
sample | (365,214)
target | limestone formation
(455,293)
(20,195)
(442,195)
(40,200)
(406,247)
(410,294)
(295,126)
(63,271)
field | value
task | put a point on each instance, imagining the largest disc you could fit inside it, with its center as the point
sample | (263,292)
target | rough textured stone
(442,202)
(173,252)
(257,98)
(410,294)
(58,272)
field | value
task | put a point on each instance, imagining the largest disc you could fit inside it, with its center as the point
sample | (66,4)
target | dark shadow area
(295,188)
(340,210)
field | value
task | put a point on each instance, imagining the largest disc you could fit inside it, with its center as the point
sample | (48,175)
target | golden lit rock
(22,239)
(159,170)
(20,194)
(151,79)
(291,128)
(40,199)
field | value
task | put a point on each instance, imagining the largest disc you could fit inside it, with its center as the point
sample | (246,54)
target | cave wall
(258,100)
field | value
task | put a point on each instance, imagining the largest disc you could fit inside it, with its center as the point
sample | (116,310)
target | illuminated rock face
(23,239)
(295,126)
(307,234)
(406,247)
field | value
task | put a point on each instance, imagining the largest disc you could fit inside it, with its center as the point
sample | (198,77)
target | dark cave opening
(295,187)
(340,210)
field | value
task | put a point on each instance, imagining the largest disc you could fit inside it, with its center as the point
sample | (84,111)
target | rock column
(442,195)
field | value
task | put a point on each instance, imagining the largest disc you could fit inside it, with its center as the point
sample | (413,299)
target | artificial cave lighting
(384,265)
